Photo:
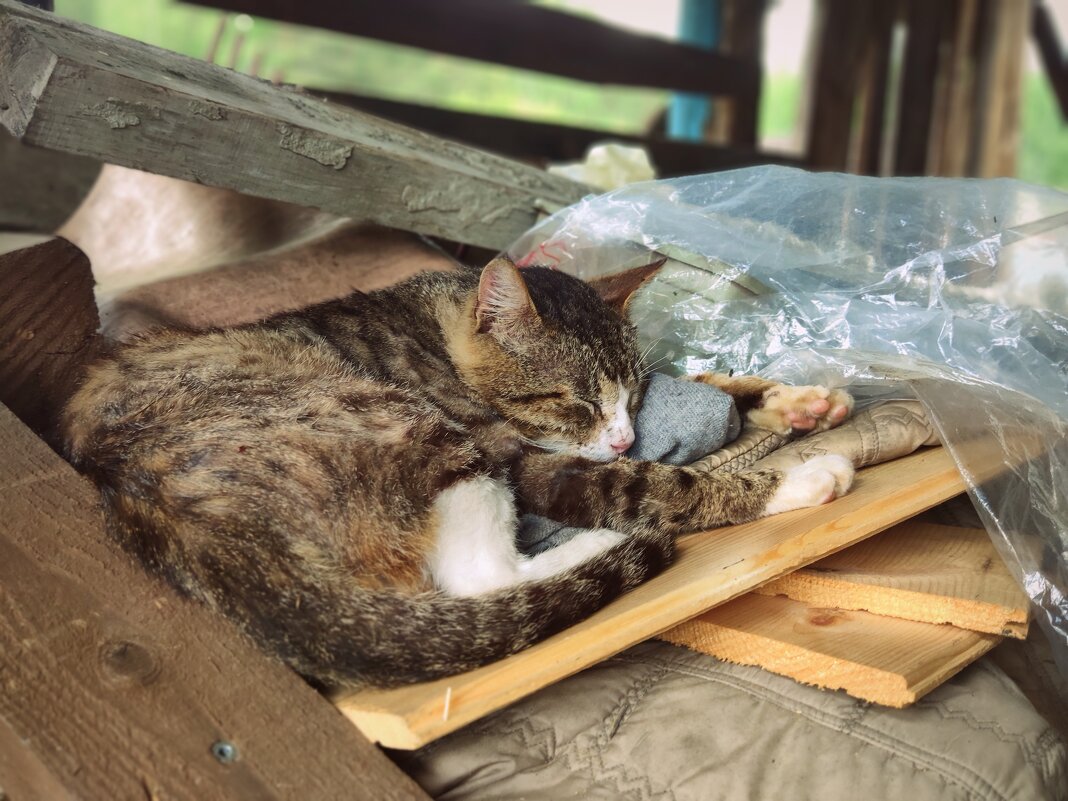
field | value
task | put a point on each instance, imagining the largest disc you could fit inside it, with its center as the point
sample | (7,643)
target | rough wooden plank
(114,687)
(70,87)
(958,111)
(712,568)
(925,25)
(519,35)
(884,660)
(48,328)
(917,571)
(1003,32)
(41,188)
(840,47)
(745,41)
(542,142)
(1044,31)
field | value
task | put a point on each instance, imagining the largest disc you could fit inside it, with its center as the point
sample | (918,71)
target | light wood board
(76,89)
(917,571)
(712,568)
(884,660)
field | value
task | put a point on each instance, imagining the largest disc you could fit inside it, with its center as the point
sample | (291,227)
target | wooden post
(113,687)
(1003,31)
(73,88)
(839,56)
(925,26)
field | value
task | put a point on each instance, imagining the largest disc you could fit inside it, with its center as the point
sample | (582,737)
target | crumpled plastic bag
(952,291)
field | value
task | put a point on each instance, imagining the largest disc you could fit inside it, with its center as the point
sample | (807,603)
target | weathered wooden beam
(1044,31)
(39,189)
(926,25)
(520,35)
(73,88)
(547,142)
(111,685)
(839,55)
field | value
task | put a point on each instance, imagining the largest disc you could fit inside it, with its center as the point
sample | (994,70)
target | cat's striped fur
(343,481)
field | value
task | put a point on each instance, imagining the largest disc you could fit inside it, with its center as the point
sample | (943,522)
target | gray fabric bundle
(678,423)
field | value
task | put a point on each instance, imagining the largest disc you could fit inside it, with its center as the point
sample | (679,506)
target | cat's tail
(345,635)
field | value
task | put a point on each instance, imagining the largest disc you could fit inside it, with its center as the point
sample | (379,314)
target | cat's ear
(618,289)
(503,306)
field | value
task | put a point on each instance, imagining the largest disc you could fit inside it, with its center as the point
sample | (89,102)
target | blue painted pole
(700,26)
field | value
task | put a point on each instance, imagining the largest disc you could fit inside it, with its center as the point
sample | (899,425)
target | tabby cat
(344,481)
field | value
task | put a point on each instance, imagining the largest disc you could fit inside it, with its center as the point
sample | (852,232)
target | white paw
(813,483)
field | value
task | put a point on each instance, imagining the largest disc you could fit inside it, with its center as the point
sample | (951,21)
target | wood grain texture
(48,325)
(73,88)
(520,35)
(884,660)
(41,188)
(543,142)
(713,567)
(115,688)
(917,571)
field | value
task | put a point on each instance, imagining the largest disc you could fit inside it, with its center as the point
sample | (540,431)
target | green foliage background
(333,61)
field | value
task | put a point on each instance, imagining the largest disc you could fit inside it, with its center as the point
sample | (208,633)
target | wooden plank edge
(418,714)
(980,616)
(885,688)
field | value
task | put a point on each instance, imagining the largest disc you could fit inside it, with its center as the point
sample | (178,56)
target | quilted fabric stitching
(966,779)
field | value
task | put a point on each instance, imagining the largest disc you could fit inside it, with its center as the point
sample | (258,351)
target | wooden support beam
(1003,29)
(839,57)
(957,115)
(744,39)
(917,571)
(520,35)
(884,660)
(713,567)
(70,87)
(114,686)
(542,142)
(41,188)
(866,152)
(926,23)
(48,326)
(1044,31)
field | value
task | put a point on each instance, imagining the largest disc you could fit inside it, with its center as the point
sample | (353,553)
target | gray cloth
(678,423)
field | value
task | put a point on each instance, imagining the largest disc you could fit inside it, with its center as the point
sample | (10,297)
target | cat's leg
(624,494)
(475,550)
(782,408)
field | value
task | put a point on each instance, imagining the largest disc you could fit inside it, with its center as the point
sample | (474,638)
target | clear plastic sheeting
(951,291)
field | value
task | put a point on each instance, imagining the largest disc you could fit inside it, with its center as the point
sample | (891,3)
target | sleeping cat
(344,481)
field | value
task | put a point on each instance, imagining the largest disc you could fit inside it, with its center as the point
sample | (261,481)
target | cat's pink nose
(621,444)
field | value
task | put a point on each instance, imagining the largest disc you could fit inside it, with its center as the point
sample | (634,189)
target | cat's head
(549,354)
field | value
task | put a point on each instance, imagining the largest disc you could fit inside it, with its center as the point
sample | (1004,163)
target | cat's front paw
(801,410)
(817,481)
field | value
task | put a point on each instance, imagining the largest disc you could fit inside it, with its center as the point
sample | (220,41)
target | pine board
(885,660)
(713,567)
(917,571)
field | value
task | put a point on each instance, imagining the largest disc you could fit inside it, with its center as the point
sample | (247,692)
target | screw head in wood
(225,752)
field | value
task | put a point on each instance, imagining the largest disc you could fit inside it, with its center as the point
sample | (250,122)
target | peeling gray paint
(207,110)
(120,114)
(326,150)
(458,198)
